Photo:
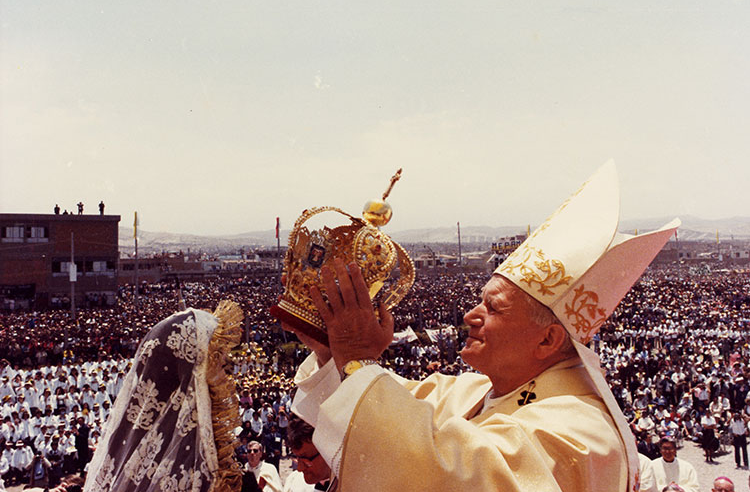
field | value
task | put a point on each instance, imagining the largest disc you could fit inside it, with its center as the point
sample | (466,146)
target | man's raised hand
(354,331)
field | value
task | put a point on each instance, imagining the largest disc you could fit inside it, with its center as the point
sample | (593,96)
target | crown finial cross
(394,178)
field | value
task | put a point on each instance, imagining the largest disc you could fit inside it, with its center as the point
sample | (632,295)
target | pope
(538,415)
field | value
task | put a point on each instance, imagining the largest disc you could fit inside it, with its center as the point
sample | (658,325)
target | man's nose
(474,316)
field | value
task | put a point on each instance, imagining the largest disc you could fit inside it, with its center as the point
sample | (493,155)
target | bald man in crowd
(723,484)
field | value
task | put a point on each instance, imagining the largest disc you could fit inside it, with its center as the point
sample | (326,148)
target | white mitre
(578,265)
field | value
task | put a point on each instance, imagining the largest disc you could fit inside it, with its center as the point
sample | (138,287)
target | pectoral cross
(527,395)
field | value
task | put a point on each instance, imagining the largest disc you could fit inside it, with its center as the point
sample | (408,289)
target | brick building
(35,260)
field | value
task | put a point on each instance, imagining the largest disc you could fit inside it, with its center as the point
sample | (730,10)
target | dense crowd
(675,351)
(677,357)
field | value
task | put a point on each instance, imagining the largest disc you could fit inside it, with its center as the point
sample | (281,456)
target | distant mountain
(469,234)
(692,229)
(697,229)
(154,242)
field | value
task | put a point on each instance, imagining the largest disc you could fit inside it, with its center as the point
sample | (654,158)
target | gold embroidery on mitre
(531,265)
(585,313)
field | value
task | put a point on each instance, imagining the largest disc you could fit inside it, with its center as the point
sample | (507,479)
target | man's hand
(354,331)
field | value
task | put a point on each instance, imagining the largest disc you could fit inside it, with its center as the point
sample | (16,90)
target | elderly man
(539,417)
(723,484)
(669,468)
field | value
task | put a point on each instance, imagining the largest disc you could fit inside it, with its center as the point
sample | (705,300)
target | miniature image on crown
(361,242)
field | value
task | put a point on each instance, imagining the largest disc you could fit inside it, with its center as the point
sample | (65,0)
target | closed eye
(495,308)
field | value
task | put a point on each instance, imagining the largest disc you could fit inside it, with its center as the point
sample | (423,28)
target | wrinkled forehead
(499,287)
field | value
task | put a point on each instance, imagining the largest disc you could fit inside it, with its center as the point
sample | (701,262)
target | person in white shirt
(4,468)
(645,423)
(22,427)
(35,427)
(6,389)
(266,475)
(708,440)
(88,396)
(669,468)
(6,474)
(6,371)
(247,413)
(21,459)
(117,386)
(738,429)
(60,382)
(256,424)
(46,399)
(42,439)
(105,411)
(22,405)
(661,412)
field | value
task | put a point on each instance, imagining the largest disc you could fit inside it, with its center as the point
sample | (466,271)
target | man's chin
(312,480)
(469,350)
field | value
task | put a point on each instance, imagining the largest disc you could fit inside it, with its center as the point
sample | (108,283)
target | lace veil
(171,426)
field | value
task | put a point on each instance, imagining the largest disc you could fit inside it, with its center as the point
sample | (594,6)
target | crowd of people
(675,351)
(677,356)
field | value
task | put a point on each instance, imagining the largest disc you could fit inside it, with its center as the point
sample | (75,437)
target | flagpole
(135,237)
(278,251)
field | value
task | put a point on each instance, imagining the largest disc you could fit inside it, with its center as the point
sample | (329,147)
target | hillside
(692,229)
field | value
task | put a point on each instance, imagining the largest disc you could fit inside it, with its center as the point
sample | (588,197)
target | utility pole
(718,247)
(460,260)
(278,263)
(72,273)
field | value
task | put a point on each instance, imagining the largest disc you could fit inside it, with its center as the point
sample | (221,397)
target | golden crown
(361,241)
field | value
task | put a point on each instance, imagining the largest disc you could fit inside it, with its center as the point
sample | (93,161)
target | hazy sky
(215,117)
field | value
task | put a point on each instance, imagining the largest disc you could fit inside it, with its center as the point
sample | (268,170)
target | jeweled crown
(360,241)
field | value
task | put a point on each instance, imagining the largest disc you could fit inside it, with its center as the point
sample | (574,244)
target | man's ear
(553,341)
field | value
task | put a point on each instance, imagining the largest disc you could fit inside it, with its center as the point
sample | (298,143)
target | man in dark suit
(82,444)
